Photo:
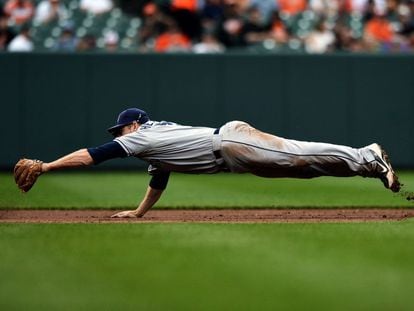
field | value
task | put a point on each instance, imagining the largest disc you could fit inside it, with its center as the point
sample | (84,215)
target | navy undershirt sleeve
(107,151)
(159,181)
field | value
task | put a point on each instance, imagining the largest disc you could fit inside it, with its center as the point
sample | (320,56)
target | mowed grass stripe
(207,267)
(124,190)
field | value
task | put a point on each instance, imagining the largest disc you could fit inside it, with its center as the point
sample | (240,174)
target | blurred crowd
(215,26)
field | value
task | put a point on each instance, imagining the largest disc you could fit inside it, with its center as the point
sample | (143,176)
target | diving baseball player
(234,147)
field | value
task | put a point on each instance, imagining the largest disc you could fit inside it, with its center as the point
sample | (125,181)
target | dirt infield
(212,215)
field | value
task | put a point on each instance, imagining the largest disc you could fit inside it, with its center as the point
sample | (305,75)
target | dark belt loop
(217,153)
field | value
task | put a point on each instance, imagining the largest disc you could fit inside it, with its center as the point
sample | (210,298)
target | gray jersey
(172,147)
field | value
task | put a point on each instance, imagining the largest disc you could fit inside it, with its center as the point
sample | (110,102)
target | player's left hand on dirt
(125,214)
(26,173)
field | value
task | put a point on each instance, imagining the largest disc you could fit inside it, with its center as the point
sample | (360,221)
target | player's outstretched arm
(74,159)
(151,197)
(84,157)
(27,171)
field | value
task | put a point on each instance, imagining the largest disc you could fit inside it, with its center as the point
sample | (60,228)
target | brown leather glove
(26,173)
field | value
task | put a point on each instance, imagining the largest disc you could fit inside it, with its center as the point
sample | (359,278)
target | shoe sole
(396,185)
(384,160)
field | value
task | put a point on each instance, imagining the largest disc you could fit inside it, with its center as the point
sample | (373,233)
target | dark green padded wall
(55,103)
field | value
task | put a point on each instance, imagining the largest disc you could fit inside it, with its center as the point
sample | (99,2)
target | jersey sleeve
(134,143)
(106,151)
(159,179)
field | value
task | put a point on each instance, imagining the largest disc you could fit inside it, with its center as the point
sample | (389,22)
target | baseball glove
(26,173)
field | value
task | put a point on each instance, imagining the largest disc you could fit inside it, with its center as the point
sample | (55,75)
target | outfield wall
(55,103)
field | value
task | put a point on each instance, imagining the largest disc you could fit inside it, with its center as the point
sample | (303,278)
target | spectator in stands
(368,10)
(266,8)
(50,10)
(19,11)
(208,44)
(67,41)
(325,7)
(173,40)
(230,30)
(343,38)
(131,7)
(189,5)
(212,12)
(254,30)
(278,31)
(406,21)
(186,17)
(87,43)
(379,30)
(364,6)
(320,40)
(410,4)
(392,9)
(155,22)
(6,33)
(239,6)
(292,7)
(111,39)
(22,42)
(96,6)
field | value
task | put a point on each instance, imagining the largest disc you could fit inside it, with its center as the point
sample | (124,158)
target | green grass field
(207,266)
(330,266)
(125,190)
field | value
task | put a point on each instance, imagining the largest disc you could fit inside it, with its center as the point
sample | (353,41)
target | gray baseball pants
(246,149)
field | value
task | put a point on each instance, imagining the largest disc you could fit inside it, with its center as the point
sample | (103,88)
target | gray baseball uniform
(240,148)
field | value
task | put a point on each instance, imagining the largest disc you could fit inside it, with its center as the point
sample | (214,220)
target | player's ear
(135,125)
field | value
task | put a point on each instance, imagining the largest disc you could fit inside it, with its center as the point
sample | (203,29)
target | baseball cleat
(387,174)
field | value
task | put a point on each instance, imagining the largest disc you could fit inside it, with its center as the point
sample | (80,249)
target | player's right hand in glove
(26,173)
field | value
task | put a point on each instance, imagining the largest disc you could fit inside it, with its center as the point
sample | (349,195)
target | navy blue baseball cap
(127,117)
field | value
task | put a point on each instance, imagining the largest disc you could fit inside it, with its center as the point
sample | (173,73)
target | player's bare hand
(125,214)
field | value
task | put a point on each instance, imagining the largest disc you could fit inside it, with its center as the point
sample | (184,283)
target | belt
(217,153)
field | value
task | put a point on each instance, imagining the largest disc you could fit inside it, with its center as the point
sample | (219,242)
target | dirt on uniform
(210,215)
